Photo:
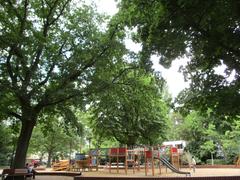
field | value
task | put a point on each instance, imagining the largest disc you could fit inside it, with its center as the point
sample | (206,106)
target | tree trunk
(41,158)
(49,161)
(23,142)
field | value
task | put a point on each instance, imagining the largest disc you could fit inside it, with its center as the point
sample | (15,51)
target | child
(30,170)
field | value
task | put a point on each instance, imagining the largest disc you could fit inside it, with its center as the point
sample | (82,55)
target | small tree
(53,138)
(6,144)
(230,147)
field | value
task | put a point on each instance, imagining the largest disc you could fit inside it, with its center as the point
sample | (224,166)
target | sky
(175,80)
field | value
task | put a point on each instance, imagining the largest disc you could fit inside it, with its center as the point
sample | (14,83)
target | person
(193,163)
(31,170)
(35,163)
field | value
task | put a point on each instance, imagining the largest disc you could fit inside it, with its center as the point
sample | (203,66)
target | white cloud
(135,47)
(220,70)
(107,6)
(174,78)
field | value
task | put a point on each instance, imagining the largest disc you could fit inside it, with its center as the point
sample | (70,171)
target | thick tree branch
(51,8)
(43,81)
(18,60)
(48,102)
(40,48)
(24,18)
(14,114)
(10,69)
(52,66)
(72,77)
(14,10)
(45,101)
(121,73)
(49,73)
(61,12)
(15,46)
(47,76)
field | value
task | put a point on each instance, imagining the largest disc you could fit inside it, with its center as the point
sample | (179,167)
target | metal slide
(173,168)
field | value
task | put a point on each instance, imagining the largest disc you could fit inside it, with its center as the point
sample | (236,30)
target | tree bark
(49,161)
(23,142)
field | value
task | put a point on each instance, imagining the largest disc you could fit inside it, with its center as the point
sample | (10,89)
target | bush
(216,161)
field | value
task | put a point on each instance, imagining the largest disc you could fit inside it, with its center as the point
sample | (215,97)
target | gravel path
(199,172)
(164,173)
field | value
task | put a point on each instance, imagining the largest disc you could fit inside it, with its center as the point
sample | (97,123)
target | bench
(16,174)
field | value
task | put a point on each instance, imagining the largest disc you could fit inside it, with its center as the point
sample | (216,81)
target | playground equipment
(81,165)
(152,158)
(83,162)
(62,165)
(124,158)
(175,160)
(132,158)
(116,153)
(175,157)
(171,167)
(94,158)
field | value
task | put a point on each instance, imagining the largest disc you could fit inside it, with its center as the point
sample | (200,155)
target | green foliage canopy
(50,52)
(7,140)
(207,32)
(53,141)
(132,112)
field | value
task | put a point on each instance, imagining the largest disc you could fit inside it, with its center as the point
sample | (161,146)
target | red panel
(148,154)
(113,151)
(174,150)
(118,151)
(122,151)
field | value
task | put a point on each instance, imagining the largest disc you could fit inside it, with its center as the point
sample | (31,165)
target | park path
(104,172)
(199,172)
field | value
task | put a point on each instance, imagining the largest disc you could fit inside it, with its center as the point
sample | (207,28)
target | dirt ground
(164,173)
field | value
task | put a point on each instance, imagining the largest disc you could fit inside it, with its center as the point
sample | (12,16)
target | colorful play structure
(62,165)
(80,163)
(149,158)
(135,158)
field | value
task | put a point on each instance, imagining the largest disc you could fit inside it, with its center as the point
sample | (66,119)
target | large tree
(50,52)
(207,32)
(134,111)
